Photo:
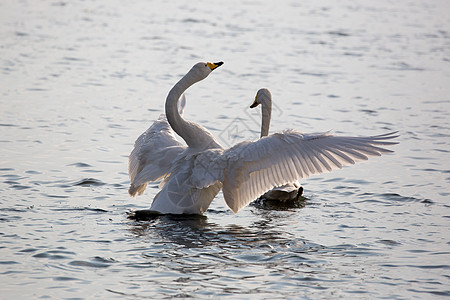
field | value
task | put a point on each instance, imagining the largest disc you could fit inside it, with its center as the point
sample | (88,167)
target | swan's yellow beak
(254,104)
(212,66)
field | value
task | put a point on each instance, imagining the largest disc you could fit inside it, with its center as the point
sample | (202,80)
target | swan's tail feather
(136,190)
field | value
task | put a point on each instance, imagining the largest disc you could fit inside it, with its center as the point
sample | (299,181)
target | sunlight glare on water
(81,80)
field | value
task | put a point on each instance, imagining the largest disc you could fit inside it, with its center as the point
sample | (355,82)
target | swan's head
(262,96)
(201,70)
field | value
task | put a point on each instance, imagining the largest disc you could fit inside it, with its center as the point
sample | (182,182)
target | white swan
(289,191)
(157,154)
(246,170)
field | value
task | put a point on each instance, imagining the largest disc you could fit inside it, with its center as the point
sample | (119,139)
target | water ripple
(97,262)
(73,102)
(88,182)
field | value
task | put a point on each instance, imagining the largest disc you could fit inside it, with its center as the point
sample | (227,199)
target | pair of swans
(193,174)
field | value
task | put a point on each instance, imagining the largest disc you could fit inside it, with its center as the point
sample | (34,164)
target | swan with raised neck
(289,191)
(264,97)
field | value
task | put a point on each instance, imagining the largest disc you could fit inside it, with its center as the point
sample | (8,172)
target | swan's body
(285,192)
(245,171)
(289,191)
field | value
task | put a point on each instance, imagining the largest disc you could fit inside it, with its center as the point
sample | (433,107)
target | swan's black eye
(206,65)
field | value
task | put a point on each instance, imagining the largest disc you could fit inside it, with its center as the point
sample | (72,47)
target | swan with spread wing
(158,155)
(194,174)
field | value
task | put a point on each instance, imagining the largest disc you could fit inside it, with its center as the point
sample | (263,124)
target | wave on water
(89,182)
(80,165)
(80,209)
(392,199)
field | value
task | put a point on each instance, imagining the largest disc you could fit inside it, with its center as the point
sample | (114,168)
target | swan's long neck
(266,111)
(176,121)
(193,134)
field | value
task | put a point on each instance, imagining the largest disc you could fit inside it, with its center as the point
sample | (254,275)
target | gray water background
(81,80)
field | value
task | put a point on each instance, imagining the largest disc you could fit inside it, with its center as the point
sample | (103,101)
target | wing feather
(302,160)
(152,156)
(312,153)
(251,169)
(333,161)
(153,153)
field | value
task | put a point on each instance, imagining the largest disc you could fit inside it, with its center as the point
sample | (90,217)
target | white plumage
(252,168)
(153,154)
(198,172)
(157,154)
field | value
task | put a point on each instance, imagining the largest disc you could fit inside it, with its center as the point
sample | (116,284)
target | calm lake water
(81,80)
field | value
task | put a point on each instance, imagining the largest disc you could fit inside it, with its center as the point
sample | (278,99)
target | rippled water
(81,80)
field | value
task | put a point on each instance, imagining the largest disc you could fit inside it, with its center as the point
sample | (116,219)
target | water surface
(82,80)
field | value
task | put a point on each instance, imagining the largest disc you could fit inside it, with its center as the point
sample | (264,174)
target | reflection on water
(233,259)
(198,232)
(82,80)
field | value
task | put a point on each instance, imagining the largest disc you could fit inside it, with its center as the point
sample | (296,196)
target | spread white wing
(153,154)
(249,169)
